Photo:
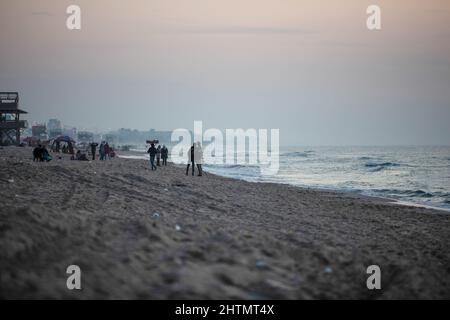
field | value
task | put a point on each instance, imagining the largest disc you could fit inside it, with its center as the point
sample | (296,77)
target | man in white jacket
(198,156)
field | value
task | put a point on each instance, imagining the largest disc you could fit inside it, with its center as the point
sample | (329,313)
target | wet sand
(162,235)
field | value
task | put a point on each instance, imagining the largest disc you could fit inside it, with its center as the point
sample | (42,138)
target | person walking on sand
(198,156)
(101,150)
(107,151)
(164,155)
(191,157)
(152,152)
(158,156)
(93,149)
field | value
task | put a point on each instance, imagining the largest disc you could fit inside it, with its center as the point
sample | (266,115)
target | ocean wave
(412,193)
(232,166)
(374,167)
(297,154)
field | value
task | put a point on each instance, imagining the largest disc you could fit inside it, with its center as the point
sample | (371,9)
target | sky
(309,68)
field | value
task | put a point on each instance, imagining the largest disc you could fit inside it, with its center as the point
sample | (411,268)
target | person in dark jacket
(93,149)
(37,154)
(164,155)
(152,152)
(191,160)
(158,156)
(45,155)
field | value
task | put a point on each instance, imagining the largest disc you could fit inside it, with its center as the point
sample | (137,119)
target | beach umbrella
(64,139)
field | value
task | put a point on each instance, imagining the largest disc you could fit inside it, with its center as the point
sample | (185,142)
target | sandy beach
(162,235)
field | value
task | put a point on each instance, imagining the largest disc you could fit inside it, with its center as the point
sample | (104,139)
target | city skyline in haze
(309,68)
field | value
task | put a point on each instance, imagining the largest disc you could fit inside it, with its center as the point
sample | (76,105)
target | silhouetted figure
(101,150)
(93,149)
(37,154)
(107,151)
(191,160)
(152,152)
(164,155)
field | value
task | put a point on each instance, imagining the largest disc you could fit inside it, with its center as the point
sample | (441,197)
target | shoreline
(133,156)
(138,234)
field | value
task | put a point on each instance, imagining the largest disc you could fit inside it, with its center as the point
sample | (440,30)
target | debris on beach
(11,180)
(156,215)
(177,227)
(328,270)
(260,264)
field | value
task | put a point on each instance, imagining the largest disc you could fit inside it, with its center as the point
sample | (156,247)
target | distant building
(110,138)
(39,131)
(136,136)
(54,128)
(85,136)
(70,131)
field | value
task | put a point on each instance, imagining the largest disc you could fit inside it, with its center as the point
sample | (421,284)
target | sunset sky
(308,67)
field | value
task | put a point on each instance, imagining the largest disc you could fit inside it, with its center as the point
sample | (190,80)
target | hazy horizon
(309,68)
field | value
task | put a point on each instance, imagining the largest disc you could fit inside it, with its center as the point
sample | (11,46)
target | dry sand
(235,240)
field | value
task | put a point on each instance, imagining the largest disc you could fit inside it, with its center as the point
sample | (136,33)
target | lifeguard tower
(10,123)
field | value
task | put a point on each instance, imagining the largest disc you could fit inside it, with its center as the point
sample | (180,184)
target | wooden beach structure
(10,123)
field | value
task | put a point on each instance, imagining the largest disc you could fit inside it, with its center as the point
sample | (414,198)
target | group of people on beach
(105,151)
(66,148)
(41,154)
(159,153)
(194,154)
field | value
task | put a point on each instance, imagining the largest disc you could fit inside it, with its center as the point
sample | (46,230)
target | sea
(407,174)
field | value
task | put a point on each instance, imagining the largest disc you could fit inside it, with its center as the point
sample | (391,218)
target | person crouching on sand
(45,155)
(152,152)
